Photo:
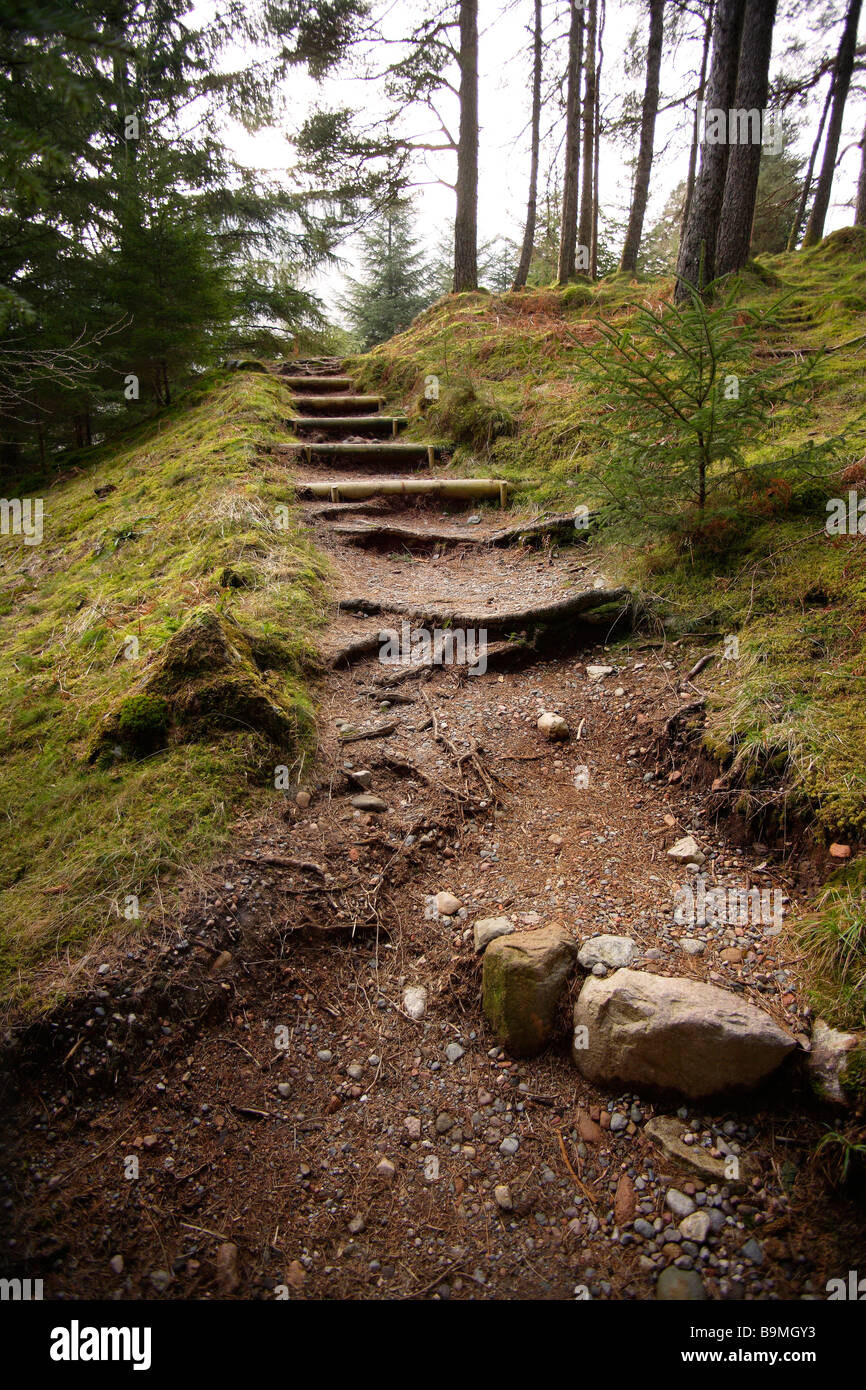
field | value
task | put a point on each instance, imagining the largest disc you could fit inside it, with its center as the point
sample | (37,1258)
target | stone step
(338,405)
(397,454)
(316,385)
(365,424)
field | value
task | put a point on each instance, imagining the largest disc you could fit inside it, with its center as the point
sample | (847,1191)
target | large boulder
(524,977)
(673,1034)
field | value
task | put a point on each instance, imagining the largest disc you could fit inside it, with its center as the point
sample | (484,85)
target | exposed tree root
(380,731)
(333,510)
(679,715)
(539,615)
(358,650)
(366,534)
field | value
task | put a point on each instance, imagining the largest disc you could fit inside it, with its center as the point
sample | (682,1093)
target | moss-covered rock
(848,243)
(272,652)
(465,416)
(205,679)
(143,721)
(246,364)
(236,577)
(829,1062)
(576,296)
(524,977)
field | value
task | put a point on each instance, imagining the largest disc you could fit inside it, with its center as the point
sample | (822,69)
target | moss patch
(142,722)
(206,679)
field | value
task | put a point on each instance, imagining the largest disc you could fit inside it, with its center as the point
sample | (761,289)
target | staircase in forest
(369,486)
(338,427)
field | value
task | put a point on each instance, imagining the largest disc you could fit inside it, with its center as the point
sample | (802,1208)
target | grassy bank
(174,520)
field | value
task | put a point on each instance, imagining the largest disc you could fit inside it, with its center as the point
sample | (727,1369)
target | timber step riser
(451,489)
(367,424)
(327,406)
(315,385)
(393,454)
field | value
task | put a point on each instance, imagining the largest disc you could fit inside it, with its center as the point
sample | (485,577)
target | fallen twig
(381,731)
(275,861)
(567,1163)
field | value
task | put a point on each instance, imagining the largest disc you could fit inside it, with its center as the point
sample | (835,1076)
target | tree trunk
(696,263)
(693,154)
(841,83)
(860,210)
(10,446)
(596,153)
(584,232)
(807,182)
(568,230)
(744,161)
(643,170)
(466,219)
(532,201)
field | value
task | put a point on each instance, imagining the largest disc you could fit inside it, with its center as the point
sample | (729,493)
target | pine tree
(744,161)
(649,112)
(780,182)
(395,283)
(841,84)
(566,267)
(532,199)
(697,256)
(685,405)
(129,240)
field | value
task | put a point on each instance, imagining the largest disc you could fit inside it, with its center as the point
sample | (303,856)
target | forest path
(304,1136)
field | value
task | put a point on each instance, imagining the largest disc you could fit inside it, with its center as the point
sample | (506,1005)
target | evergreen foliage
(133,249)
(395,283)
(687,407)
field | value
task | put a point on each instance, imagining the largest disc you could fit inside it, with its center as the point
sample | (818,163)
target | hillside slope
(170,529)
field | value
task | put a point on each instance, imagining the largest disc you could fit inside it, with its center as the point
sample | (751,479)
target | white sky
(504,99)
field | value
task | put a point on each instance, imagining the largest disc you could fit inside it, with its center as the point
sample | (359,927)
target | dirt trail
(279,1103)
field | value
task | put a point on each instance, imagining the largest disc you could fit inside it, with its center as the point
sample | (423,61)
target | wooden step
(399,455)
(363,424)
(311,366)
(338,405)
(456,489)
(315,385)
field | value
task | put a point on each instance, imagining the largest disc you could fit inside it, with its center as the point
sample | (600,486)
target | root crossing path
(295,1128)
